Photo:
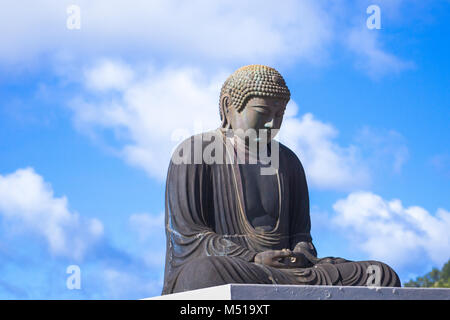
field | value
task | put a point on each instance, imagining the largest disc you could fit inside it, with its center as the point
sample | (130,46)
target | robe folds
(210,240)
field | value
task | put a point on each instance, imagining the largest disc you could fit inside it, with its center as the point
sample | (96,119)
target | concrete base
(295,292)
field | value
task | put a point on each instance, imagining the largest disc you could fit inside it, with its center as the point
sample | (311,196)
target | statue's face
(260,113)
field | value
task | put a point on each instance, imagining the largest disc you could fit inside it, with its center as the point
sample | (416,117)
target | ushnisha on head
(253,97)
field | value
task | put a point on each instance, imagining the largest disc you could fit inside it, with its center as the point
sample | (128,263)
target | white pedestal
(296,292)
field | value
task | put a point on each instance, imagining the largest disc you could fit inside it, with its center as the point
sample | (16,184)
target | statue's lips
(264,132)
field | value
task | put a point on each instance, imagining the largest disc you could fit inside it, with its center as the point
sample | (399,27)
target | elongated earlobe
(225,111)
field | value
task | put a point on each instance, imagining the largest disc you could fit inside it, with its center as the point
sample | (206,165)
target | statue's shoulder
(287,152)
(289,155)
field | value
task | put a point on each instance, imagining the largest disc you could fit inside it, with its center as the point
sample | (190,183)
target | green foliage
(433,279)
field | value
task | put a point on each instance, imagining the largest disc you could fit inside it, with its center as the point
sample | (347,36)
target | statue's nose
(269,125)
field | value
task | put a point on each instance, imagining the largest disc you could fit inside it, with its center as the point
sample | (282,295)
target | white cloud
(327,165)
(200,31)
(371,57)
(190,30)
(388,231)
(153,114)
(27,203)
(108,76)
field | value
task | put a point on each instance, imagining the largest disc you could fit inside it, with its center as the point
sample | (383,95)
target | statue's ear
(226,105)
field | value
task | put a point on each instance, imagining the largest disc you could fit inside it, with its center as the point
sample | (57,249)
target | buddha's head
(254,97)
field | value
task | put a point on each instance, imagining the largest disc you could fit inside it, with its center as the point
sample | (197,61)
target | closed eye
(262,110)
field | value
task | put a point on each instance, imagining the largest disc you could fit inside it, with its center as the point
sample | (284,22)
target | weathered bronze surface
(228,223)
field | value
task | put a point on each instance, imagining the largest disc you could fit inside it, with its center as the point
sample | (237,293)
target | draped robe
(210,240)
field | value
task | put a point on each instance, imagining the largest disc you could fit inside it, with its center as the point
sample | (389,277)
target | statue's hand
(307,254)
(297,260)
(305,247)
(308,251)
(273,258)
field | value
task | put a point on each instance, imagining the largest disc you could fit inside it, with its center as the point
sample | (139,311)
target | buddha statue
(232,222)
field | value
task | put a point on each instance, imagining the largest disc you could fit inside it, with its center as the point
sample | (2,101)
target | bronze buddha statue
(226,222)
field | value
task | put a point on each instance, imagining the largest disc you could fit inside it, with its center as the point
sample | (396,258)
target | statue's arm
(301,241)
(189,223)
(299,218)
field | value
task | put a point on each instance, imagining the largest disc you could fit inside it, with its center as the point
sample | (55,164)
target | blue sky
(89,116)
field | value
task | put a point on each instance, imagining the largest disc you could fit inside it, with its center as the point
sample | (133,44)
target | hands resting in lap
(303,256)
